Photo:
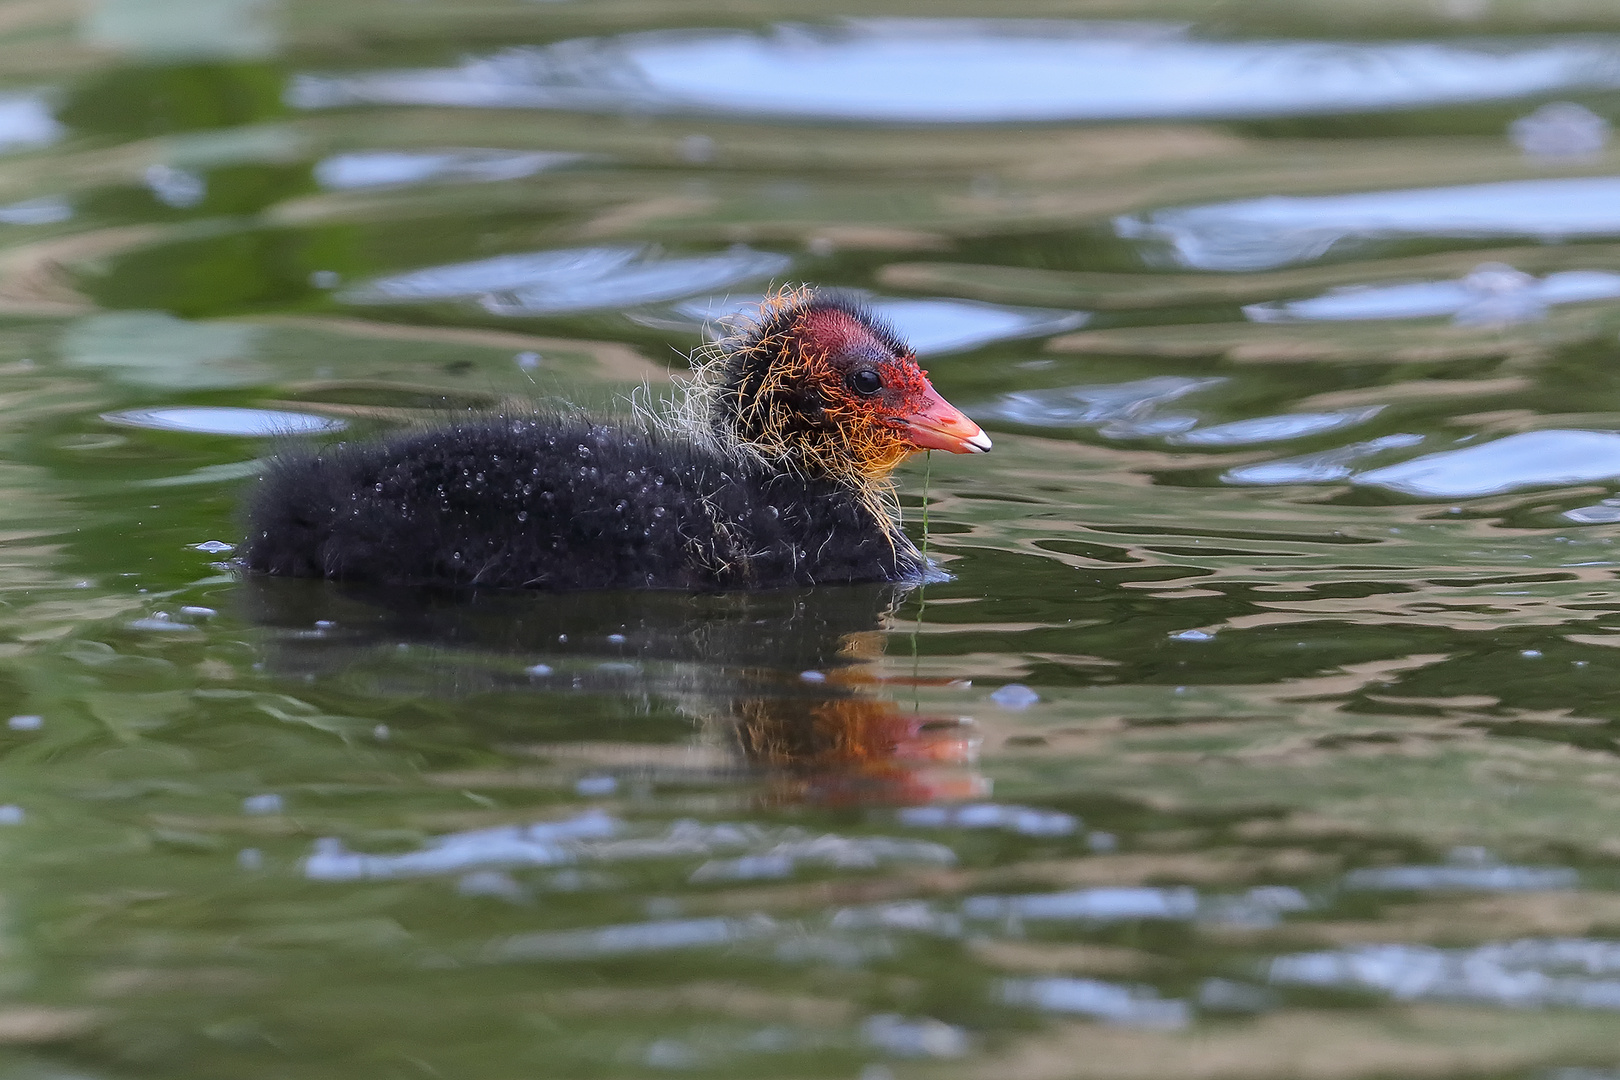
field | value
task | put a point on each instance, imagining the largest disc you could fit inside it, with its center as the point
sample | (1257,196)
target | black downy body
(562,503)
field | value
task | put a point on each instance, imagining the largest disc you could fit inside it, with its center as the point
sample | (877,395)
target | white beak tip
(980,443)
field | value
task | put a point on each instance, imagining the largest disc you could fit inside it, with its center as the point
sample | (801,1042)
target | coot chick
(772,471)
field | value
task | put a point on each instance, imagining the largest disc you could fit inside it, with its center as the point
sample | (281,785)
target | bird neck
(748,410)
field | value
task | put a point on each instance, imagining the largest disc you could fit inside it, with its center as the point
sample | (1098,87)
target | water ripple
(1528,973)
(571,279)
(1471,299)
(1528,459)
(1257,234)
(398,168)
(981,71)
(932,326)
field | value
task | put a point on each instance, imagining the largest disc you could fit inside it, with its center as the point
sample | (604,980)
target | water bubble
(213,547)
(250,859)
(262,804)
(25,723)
(326,279)
(1193,635)
(381,733)
(812,676)
(528,361)
(11,815)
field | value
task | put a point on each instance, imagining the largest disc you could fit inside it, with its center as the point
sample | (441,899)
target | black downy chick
(773,472)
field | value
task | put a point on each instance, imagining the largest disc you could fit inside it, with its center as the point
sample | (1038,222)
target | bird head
(825,387)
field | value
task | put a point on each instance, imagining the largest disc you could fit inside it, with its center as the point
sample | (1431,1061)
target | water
(982,70)
(931,327)
(1265,727)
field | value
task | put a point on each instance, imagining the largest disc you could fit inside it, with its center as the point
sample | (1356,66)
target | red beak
(936,424)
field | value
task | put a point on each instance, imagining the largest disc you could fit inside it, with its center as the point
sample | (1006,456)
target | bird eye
(865,381)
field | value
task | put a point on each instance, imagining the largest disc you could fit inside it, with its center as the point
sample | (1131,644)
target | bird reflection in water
(792,688)
(846,741)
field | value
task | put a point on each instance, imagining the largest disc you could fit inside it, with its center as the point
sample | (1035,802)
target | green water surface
(240,821)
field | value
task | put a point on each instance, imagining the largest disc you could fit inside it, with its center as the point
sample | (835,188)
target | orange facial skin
(904,415)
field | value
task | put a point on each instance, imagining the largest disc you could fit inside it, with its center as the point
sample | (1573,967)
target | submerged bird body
(772,474)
